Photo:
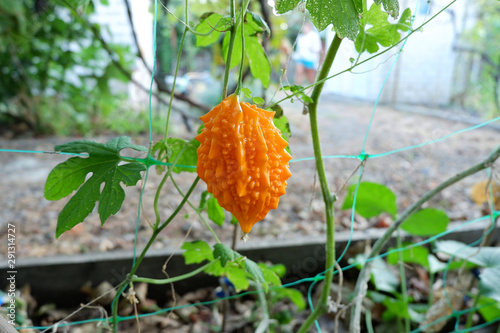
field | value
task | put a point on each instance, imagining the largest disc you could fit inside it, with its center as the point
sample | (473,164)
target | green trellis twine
(150,161)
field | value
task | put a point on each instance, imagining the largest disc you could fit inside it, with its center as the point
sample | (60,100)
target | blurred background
(73,67)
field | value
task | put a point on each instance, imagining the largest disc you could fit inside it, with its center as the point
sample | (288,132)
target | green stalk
(402,275)
(468,322)
(328,198)
(155,234)
(232,36)
(242,18)
(430,297)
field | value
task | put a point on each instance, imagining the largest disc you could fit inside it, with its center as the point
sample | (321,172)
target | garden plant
(241,154)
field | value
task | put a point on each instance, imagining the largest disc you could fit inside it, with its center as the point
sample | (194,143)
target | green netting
(363,157)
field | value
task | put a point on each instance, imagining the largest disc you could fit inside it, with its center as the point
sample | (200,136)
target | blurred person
(307,54)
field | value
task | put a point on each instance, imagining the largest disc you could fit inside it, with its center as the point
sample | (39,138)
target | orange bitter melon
(242,159)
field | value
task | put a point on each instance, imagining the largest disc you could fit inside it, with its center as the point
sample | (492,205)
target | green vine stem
(402,276)
(175,278)
(242,19)
(205,223)
(328,198)
(155,234)
(364,275)
(160,187)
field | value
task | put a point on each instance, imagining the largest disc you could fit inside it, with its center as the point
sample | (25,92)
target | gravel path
(343,125)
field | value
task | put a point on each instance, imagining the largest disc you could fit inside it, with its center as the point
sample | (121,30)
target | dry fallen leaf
(481,196)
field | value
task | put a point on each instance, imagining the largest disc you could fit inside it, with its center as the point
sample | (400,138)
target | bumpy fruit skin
(242,159)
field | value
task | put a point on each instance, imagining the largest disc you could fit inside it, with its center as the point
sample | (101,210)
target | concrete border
(58,279)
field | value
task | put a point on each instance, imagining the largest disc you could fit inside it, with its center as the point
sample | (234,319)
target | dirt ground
(343,125)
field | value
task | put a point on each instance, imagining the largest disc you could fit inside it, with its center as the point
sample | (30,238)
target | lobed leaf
(375,29)
(211,24)
(343,14)
(102,163)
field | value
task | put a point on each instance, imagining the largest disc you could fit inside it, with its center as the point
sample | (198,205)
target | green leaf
(238,277)
(488,308)
(426,222)
(259,64)
(395,308)
(486,257)
(283,6)
(375,29)
(215,212)
(343,14)
(186,153)
(103,163)
(207,25)
(270,276)
(372,199)
(416,255)
(205,195)
(293,295)
(215,269)
(225,253)
(390,6)
(256,22)
(247,92)
(255,272)
(279,269)
(258,100)
(284,126)
(197,252)
(277,109)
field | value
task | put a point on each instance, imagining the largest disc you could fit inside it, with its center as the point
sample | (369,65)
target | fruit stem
(234,27)
(242,22)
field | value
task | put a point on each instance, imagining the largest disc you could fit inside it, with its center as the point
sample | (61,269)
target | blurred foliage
(55,74)
(210,58)
(484,39)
